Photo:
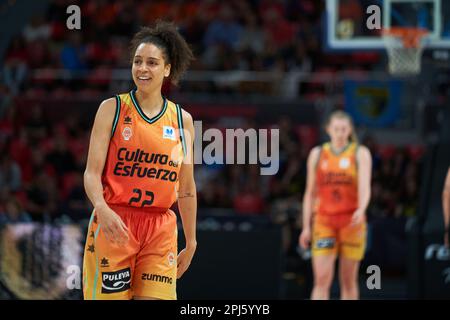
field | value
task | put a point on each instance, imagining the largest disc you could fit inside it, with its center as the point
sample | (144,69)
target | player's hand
(184,259)
(358,217)
(305,238)
(112,225)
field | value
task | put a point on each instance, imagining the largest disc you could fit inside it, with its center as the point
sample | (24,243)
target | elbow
(89,175)
(86,178)
(86,175)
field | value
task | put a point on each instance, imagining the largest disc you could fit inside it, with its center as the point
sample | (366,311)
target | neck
(150,102)
(338,146)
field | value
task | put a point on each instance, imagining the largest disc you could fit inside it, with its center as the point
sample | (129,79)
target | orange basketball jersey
(144,156)
(337,181)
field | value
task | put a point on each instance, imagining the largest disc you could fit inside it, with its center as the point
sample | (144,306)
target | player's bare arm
(364,159)
(112,226)
(305,236)
(187,198)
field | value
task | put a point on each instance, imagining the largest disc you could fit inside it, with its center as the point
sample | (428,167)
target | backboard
(349,23)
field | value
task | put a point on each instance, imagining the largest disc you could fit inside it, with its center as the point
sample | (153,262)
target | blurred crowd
(41,167)
(42,162)
(235,35)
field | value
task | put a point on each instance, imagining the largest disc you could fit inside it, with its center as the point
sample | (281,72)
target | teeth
(143,78)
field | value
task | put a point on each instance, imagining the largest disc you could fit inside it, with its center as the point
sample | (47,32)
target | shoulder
(186,116)
(363,151)
(108,106)
(106,113)
(314,153)
(187,119)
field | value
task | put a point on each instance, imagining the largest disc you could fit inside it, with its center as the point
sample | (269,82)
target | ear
(167,70)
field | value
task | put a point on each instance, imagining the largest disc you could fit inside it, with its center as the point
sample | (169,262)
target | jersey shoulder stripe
(181,128)
(116,115)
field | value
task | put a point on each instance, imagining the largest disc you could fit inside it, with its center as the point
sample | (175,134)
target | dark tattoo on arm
(186,195)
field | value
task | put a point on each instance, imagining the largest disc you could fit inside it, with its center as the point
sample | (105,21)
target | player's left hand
(358,217)
(184,260)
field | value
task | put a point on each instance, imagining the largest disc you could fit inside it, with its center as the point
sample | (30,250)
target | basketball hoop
(405,47)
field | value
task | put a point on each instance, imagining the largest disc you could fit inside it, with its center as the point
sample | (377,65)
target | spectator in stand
(6,98)
(252,37)
(62,160)
(42,195)
(15,65)
(37,125)
(206,197)
(10,174)
(249,200)
(73,53)
(125,23)
(8,123)
(223,30)
(408,199)
(37,29)
(221,37)
(280,30)
(288,138)
(76,203)
(12,212)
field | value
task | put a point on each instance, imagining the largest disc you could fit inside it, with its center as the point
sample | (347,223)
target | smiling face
(339,130)
(149,67)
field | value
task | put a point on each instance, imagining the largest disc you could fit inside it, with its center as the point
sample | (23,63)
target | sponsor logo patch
(116,281)
(157,278)
(325,243)
(344,163)
(171,258)
(127,133)
(169,133)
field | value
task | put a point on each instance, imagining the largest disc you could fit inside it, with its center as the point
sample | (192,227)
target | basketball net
(404,47)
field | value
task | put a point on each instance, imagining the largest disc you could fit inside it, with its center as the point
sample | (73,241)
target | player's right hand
(112,225)
(305,238)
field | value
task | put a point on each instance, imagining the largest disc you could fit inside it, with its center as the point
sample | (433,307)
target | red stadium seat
(386,151)
(416,151)
(67,183)
(308,135)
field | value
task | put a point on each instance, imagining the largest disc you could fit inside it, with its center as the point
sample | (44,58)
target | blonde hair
(339,114)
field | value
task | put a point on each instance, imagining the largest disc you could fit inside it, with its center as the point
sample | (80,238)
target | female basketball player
(338,179)
(139,163)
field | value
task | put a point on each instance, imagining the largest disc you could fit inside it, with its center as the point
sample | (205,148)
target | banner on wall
(36,260)
(373,103)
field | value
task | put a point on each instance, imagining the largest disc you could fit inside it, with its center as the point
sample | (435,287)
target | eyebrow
(154,58)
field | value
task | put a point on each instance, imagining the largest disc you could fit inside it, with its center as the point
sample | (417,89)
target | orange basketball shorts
(146,266)
(334,235)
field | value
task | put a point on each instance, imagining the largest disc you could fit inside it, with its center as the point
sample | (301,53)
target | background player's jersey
(336,180)
(144,156)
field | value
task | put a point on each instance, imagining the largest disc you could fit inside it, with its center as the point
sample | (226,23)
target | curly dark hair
(165,36)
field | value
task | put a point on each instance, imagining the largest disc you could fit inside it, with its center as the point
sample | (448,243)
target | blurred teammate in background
(140,163)
(446,207)
(334,207)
